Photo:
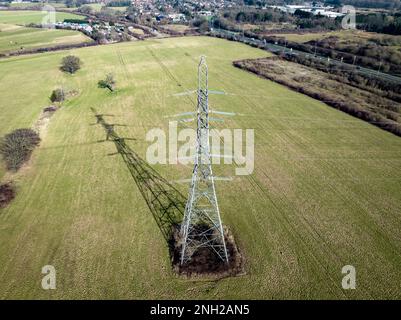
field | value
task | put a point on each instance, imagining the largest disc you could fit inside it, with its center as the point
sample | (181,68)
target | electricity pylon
(202,225)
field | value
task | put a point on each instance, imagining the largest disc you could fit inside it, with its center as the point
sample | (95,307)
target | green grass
(177,27)
(14,37)
(31,4)
(95,6)
(325,191)
(121,9)
(26,17)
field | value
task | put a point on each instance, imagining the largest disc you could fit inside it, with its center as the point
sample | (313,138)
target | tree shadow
(165,202)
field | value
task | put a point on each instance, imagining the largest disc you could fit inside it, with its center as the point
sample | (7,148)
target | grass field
(26,17)
(121,9)
(177,27)
(325,191)
(95,6)
(31,4)
(13,37)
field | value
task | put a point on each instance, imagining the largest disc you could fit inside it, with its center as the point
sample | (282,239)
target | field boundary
(48,49)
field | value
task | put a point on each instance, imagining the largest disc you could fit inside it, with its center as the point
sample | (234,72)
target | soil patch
(205,262)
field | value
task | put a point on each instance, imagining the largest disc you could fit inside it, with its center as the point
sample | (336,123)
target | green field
(95,6)
(13,37)
(26,17)
(121,9)
(31,4)
(325,191)
(177,27)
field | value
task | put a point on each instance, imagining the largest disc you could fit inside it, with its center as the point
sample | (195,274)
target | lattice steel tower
(202,225)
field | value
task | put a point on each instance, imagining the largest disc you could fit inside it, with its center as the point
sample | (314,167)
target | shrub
(57,95)
(85,9)
(108,83)
(70,64)
(7,194)
(17,146)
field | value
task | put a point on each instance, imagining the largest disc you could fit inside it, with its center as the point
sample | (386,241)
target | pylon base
(205,262)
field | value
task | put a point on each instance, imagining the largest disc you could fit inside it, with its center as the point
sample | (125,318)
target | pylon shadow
(164,201)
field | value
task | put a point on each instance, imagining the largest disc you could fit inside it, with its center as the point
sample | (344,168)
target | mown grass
(95,6)
(30,16)
(324,193)
(120,9)
(13,37)
(30,4)
(177,27)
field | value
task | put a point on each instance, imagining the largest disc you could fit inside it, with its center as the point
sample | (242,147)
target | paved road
(275,48)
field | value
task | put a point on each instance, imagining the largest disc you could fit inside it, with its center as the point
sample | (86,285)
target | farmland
(14,36)
(25,5)
(27,17)
(325,191)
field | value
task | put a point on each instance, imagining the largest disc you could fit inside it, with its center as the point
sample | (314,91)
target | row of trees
(380,22)
(372,54)
(257,16)
(372,108)
(371,83)
(385,4)
(121,3)
(377,22)
(302,19)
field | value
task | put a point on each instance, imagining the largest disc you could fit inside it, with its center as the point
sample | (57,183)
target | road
(275,48)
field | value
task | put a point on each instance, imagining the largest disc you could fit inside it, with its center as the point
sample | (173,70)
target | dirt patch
(41,124)
(205,262)
(7,194)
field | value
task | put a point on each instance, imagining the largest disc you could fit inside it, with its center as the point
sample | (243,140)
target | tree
(303,14)
(336,3)
(241,17)
(108,83)
(17,146)
(201,23)
(70,64)
(86,9)
(57,95)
